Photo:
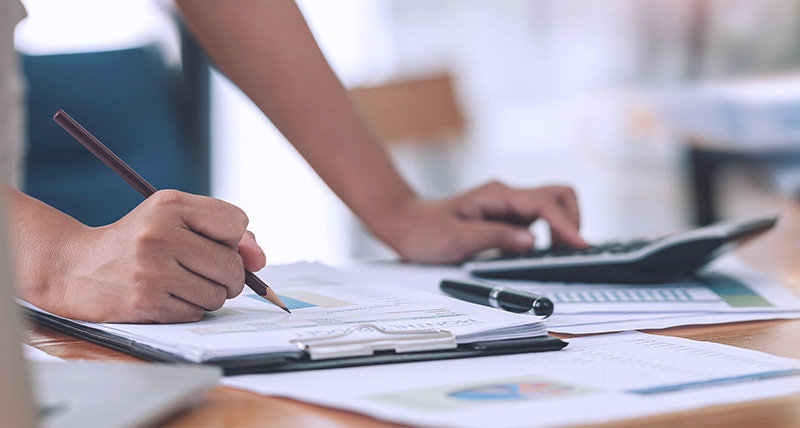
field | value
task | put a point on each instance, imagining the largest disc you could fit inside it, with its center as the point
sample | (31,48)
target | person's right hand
(494,215)
(170,259)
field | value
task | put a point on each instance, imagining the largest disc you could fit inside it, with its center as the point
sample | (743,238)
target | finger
(253,256)
(157,307)
(489,234)
(197,290)
(209,259)
(515,206)
(565,202)
(212,218)
(565,197)
(173,309)
(561,229)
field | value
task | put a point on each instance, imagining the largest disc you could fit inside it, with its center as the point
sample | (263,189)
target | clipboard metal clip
(328,347)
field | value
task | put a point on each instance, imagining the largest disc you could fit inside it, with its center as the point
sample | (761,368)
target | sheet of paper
(751,296)
(728,286)
(36,354)
(323,302)
(595,379)
(610,323)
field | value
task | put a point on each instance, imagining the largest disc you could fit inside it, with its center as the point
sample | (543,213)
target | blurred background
(662,114)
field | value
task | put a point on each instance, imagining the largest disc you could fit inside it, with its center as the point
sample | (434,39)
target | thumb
(253,256)
(504,236)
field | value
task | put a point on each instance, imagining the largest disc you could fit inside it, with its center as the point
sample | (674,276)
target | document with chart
(711,293)
(730,291)
(731,288)
(595,379)
(324,303)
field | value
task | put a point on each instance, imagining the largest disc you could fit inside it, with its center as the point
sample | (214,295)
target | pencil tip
(286,309)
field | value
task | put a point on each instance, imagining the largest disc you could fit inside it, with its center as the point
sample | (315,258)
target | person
(178,255)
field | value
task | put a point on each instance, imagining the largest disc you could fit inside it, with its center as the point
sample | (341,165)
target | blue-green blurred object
(133,103)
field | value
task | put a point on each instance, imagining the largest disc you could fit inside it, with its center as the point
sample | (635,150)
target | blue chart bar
(710,288)
(622,296)
(290,303)
(736,294)
(717,382)
(294,303)
(300,299)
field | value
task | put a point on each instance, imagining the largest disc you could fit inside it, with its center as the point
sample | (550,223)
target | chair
(155,117)
(421,123)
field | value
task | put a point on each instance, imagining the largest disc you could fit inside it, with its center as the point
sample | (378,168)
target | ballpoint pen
(498,297)
(144,188)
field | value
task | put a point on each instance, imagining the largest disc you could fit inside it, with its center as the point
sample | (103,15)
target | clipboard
(326,352)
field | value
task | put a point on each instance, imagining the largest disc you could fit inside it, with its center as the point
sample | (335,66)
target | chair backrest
(419,111)
(135,103)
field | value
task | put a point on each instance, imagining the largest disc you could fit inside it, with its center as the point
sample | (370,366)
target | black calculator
(639,261)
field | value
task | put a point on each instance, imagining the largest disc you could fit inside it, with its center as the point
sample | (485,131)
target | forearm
(265,47)
(40,236)
(172,258)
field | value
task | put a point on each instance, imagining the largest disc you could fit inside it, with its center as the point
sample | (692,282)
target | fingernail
(524,239)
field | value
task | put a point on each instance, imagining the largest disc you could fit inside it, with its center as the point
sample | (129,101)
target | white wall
(556,91)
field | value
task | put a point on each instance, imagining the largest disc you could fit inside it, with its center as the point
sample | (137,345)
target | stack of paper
(593,380)
(607,378)
(323,302)
(729,291)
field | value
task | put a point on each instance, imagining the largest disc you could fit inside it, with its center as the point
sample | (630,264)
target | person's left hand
(491,216)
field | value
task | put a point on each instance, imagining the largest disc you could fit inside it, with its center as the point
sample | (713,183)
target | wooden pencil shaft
(135,180)
(104,154)
(255,283)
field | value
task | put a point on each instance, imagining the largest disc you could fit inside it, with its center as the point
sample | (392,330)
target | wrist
(46,265)
(394,223)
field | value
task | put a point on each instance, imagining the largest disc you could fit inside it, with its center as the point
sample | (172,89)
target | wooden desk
(777,253)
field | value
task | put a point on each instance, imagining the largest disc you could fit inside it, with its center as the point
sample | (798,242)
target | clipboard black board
(294,361)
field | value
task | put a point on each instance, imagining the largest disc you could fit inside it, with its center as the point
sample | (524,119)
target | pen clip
(328,347)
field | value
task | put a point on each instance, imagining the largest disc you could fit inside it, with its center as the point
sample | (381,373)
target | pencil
(144,188)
